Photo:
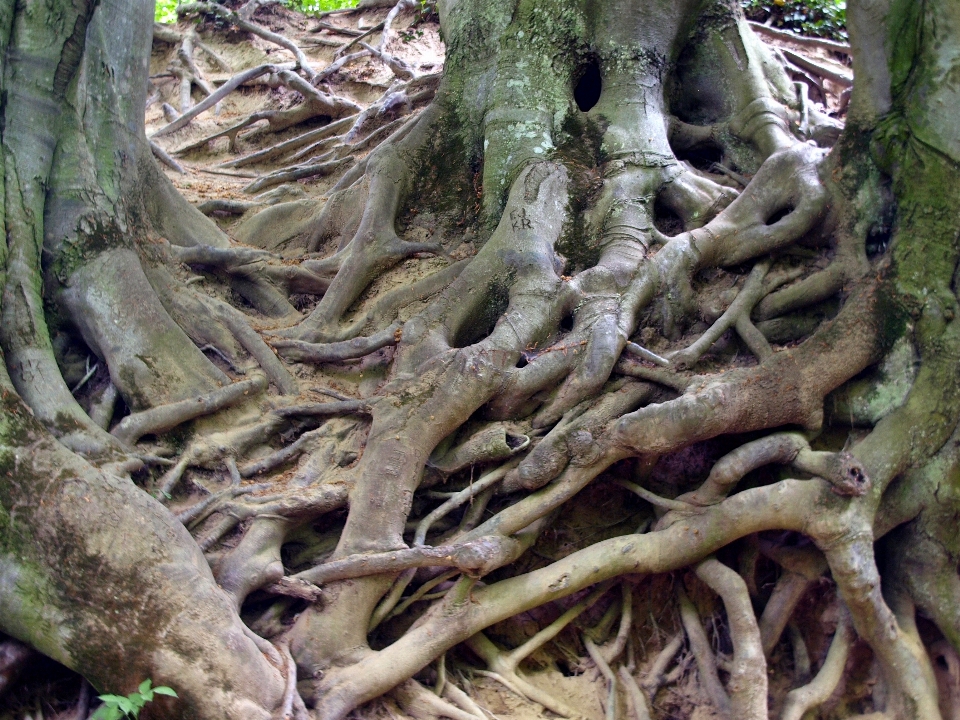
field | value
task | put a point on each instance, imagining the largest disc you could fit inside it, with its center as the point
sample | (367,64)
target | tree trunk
(575,344)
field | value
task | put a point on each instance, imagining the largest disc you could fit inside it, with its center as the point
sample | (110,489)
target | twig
(89,374)
(648,355)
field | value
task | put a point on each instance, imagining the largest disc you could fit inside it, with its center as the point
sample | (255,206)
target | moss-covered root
(185,632)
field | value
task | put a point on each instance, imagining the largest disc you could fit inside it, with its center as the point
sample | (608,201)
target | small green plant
(119,706)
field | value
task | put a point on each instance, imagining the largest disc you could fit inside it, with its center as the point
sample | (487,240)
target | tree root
(845,473)
(281,150)
(802,567)
(503,669)
(297,172)
(638,702)
(748,674)
(424,705)
(303,63)
(737,315)
(338,351)
(475,557)
(802,40)
(166,417)
(700,647)
(212,99)
(803,699)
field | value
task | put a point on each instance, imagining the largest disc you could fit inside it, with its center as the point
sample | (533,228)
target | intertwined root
(586,436)
(408,510)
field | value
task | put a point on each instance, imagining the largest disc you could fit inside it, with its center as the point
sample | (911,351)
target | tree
(556,135)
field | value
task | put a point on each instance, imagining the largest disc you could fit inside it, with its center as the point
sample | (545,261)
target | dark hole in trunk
(587,90)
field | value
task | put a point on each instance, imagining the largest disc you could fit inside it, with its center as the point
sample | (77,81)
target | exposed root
(211,100)
(802,40)
(424,705)
(292,707)
(504,672)
(804,699)
(281,150)
(638,702)
(507,367)
(700,647)
(748,674)
(166,417)
(802,567)
(165,158)
(213,449)
(737,315)
(297,172)
(303,63)
(338,351)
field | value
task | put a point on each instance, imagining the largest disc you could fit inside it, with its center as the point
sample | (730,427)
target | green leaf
(107,712)
(124,704)
(164,690)
(145,686)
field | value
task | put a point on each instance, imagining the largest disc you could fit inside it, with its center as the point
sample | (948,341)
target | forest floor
(49,691)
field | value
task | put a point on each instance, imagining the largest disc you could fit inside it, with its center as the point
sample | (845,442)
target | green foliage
(827,18)
(165,11)
(315,7)
(118,706)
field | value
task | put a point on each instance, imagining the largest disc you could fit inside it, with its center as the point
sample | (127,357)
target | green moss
(925,252)
(93,237)
(905,25)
